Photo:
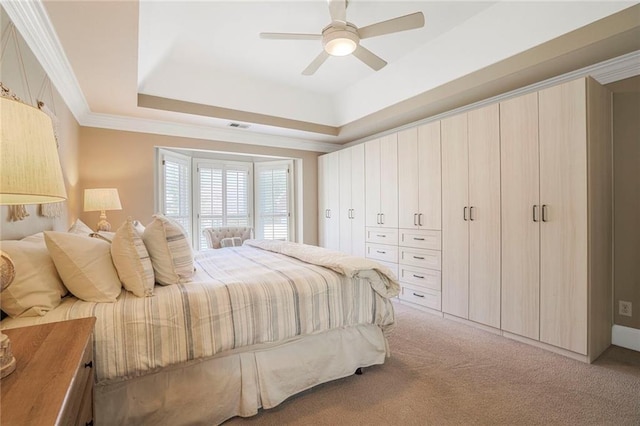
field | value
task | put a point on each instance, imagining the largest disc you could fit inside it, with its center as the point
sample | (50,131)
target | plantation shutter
(273,200)
(176,188)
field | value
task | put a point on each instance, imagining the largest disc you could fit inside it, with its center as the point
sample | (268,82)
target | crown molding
(33,23)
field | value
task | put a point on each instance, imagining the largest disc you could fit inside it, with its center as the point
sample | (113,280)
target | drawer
(429,279)
(420,239)
(383,252)
(427,298)
(81,384)
(382,236)
(392,266)
(430,259)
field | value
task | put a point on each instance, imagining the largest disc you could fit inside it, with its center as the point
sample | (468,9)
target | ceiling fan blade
(369,58)
(315,64)
(290,36)
(402,23)
(338,10)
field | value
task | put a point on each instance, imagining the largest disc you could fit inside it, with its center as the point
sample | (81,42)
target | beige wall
(626,166)
(126,160)
(30,91)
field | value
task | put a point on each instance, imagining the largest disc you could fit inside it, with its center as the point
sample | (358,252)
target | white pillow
(139,227)
(132,261)
(36,288)
(81,228)
(85,266)
(170,250)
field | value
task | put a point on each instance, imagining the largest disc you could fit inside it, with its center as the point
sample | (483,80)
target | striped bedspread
(240,296)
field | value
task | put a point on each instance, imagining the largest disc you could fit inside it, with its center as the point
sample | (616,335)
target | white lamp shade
(100,199)
(30,171)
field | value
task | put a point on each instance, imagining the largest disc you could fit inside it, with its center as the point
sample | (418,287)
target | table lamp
(102,199)
(31,174)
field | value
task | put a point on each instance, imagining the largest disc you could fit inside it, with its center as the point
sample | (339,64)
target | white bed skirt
(212,390)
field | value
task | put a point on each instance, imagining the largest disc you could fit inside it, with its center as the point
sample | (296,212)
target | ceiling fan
(341,38)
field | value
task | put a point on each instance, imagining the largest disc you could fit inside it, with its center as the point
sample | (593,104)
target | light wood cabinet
(53,380)
(471,216)
(556,210)
(419,185)
(329,201)
(351,203)
(381,183)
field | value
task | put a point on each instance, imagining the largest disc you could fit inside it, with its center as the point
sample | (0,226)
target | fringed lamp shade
(30,171)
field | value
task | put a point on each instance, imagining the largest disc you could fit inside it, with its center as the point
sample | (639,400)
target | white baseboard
(626,337)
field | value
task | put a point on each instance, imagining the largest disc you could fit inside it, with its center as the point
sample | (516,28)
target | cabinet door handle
(415,219)
(418,295)
(419,219)
(329,213)
(382,218)
(418,239)
(381,252)
(544,213)
(464,213)
(418,257)
(378,218)
(535,212)
(419,276)
(88,364)
(471,212)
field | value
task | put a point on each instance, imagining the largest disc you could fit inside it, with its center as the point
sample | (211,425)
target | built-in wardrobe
(499,216)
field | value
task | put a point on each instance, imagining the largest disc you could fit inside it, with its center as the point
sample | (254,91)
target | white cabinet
(419,186)
(329,201)
(381,183)
(351,203)
(556,210)
(471,215)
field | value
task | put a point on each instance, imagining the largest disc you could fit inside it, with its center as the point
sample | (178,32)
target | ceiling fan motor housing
(340,40)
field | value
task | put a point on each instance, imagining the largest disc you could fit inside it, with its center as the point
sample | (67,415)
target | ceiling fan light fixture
(340,41)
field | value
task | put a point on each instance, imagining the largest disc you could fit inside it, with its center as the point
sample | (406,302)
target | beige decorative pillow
(170,250)
(36,288)
(81,228)
(132,261)
(85,266)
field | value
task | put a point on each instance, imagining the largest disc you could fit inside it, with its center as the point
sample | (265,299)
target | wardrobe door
(563,195)
(389,181)
(455,225)
(332,185)
(357,201)
(372,182)
(408,179)
(344,191)
(520,216)
(429,176)
(484,215)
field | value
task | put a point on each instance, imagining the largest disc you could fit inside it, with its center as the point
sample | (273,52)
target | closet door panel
(484,215)
(408,178)
(357,201)
(372,182)
(332,183)
(455,229)
(520,231)
(389,180)
(429,176)
(344,191)
(563,194)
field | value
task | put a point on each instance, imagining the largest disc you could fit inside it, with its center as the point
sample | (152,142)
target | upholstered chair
(227,236)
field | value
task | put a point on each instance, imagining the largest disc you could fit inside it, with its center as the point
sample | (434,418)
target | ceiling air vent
(239,125)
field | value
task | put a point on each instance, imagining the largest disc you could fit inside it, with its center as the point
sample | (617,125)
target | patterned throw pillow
(132,261)
(170,250)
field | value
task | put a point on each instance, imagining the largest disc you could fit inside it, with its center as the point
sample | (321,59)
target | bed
(255,325)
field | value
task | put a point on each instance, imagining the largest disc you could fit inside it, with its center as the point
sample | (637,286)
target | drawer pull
(418,257)
(418,295)
(88,364)
(418,239)
(381,252)
(419,276)
(381,236)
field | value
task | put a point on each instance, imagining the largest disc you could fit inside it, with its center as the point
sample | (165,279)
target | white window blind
(274,201)
(223,191)
(175,182)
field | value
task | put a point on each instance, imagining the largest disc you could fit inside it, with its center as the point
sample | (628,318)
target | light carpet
(445,373)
